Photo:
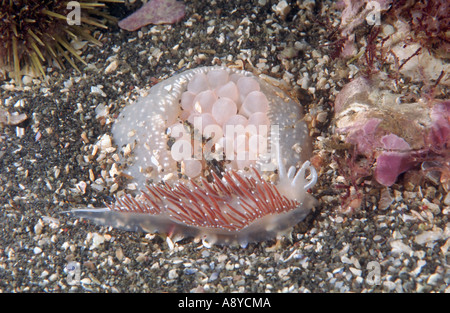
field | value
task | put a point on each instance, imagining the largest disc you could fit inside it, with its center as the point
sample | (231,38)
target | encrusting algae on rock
(395,112)
(217,153)
(154,12)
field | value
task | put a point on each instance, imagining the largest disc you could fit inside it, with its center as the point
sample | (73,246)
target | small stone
(322,117)
(104,142)
(173,274)
(377,238)
(321,83)
(418,269)
(142,258)
(38,227)
(11,118)
(213,277)
(447,199)
(221,258)
(282,9)
(398,247)
(81,187)
(434,279)
(98,90)
(111,67)
(85,281)
(26,80)
(356,272)
(429,236)
(53,277)
(304,81)
(385,199)
(97,240)
(389,285)
(119,254)
(190,271)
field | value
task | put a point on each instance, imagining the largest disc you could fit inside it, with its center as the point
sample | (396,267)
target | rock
(154,12)
(282,9)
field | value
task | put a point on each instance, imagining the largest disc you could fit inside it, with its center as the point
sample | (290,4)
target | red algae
(402,49)
(396,136)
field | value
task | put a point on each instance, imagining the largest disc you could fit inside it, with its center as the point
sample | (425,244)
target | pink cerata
(216,153)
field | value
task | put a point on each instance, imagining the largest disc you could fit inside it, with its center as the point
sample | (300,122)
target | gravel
(397,240)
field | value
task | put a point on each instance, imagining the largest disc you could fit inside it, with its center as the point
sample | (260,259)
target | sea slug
(216,153)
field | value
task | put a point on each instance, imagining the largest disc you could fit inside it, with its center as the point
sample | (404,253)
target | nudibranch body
(214,152)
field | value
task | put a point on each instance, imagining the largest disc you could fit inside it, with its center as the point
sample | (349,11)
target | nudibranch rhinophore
(216,153)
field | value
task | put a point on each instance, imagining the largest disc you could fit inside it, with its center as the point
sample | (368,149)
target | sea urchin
(33,32)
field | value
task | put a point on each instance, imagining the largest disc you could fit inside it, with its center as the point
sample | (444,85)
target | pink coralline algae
(154,12)
(397,136)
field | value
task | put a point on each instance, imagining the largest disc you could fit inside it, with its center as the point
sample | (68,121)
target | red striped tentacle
(231,203)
